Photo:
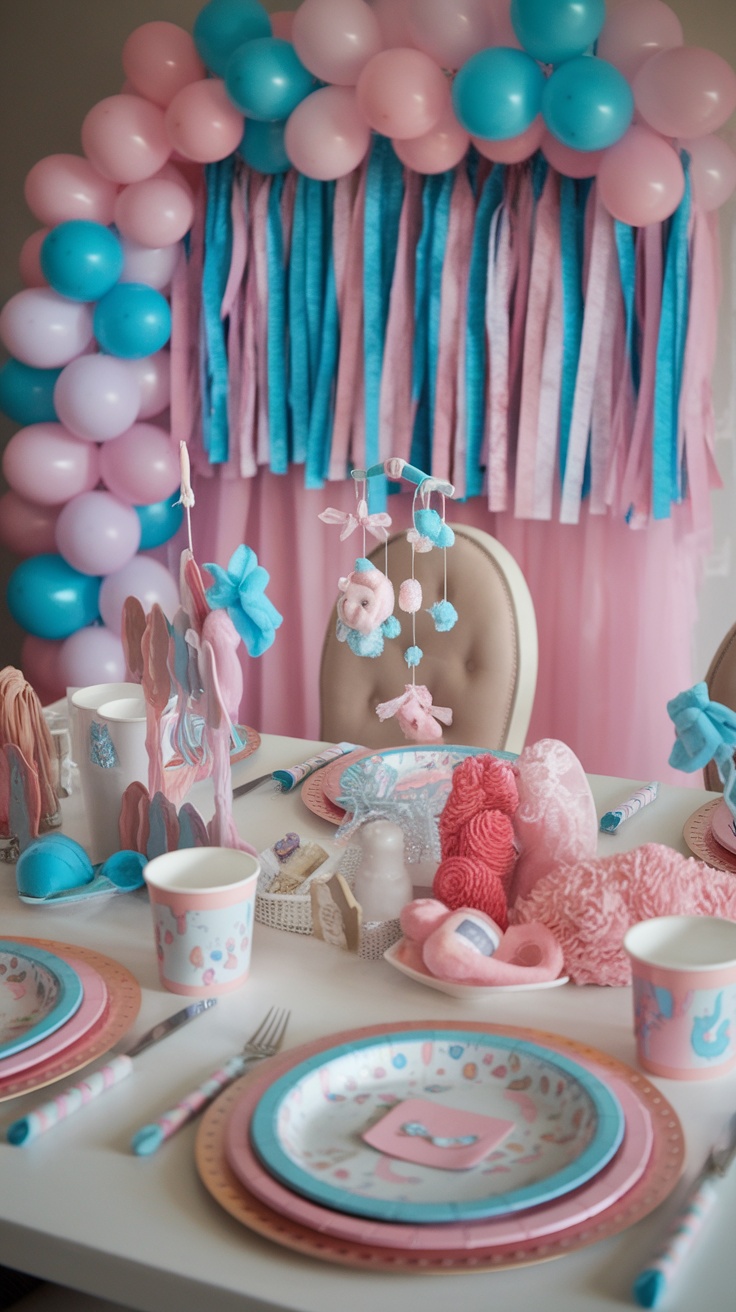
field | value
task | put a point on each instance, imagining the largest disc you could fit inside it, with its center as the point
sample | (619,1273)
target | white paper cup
(202,899)
(110,733)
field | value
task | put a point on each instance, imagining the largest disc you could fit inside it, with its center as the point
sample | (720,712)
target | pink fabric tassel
(451,316)
(349,370)
(696,418)
(601,256)
(541,285)
(637,482)
(497,326)
(396,410)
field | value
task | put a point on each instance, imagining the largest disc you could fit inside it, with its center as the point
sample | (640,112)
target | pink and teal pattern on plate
(307,1128)
(38,994)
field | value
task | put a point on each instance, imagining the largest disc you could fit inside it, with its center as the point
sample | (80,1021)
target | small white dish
(455,990)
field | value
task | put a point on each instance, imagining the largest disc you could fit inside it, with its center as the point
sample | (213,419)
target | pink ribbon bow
(416,715)
(377,524)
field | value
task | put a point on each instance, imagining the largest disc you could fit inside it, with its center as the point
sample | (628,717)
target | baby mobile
(365,608)
(92,338)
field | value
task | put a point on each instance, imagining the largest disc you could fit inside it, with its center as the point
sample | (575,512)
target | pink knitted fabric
(556,822)
(477,838)
(590,905)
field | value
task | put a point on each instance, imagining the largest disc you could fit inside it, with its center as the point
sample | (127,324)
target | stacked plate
(60,1006)
(406,773)
(440,1146)
(710,833)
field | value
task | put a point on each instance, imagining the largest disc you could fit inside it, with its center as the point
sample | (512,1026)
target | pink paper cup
(202,899)
(684,976)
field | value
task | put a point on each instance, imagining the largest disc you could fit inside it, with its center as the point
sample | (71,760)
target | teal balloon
(263,147)
(132,321)
(224,25)
(81,260)
(159,522)
(497,93)
(27,394)
(555,30)
(49,599)
(587,104)
(266,79)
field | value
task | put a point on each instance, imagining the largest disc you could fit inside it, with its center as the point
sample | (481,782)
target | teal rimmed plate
(39,992)
(564,1125)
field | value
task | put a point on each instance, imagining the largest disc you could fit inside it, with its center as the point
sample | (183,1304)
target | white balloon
(153,265)
(43,329)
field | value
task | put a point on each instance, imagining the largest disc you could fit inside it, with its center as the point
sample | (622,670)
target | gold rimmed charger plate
(123,1005)
(699,836)
(657,1182)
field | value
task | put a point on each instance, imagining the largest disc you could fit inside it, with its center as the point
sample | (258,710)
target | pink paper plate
(91,1008)
(609,1185)
(699,836)
(722,824)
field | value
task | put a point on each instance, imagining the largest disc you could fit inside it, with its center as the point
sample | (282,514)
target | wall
(58,59)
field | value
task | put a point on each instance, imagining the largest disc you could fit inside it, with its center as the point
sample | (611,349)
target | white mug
(111,735)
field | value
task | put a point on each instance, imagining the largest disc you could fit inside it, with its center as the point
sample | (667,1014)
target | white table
(78,1208)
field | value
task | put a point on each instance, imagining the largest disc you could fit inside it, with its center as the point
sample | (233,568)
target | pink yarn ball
(410,596)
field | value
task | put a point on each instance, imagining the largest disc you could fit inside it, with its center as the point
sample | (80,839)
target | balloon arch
(464,90)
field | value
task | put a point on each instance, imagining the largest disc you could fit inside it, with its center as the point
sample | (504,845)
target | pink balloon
(513,149)
(39,661)
(26,528)
(44,329)
(125,138)
(572,163)
(153,375)
(503,28)
(393,20)
(153,265)
(159,59)
(142,466)
(402,93)
(640,178)
(46,464)
(91,655)
(29,261)
(282,21)
(97,534)
(202,123)
(712,170)
(143,577)
(178,173)
(61,187)
(326,135)
(155,212)
(438,150)
(335,38)
(97,397)
(450,31)
(685,92)
(635,31)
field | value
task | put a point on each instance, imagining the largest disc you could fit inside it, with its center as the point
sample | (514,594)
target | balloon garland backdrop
(413,115)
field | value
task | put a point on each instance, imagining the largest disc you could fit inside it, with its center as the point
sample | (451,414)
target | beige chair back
(721,681)
(485,668)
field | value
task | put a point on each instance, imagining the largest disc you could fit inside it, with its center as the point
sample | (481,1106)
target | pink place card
(430,1134)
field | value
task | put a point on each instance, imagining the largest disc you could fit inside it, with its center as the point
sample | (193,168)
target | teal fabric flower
(705,730)
(241,591)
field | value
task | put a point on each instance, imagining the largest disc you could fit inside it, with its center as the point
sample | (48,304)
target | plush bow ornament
(706,731)
(377,524)
(416,716)
(241,591)
(365,609)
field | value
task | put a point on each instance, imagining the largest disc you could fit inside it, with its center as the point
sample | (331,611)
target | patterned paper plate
(551,1125)
(123,1005)
(38,994)
(427,768)
(655,1184)
(699,836)
(91,1010)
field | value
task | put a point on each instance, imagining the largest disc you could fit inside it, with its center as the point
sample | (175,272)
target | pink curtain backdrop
(612,607)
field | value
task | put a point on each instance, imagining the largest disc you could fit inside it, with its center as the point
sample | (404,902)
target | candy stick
(613,820)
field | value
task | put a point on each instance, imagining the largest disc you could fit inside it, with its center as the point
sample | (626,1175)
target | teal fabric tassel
(217,256)
(476,353)
(319,439)
(572,299)
(666,481)
(383,200)
(278,413)
(299,385)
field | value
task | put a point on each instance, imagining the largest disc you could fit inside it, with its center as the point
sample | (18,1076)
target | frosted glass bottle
(383,885)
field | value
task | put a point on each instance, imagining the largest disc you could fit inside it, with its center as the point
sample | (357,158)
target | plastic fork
(264,1042)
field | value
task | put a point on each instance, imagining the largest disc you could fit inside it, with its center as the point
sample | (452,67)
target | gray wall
(58,57)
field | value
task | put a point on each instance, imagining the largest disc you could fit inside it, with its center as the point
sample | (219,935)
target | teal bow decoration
(706,731)
(241,591)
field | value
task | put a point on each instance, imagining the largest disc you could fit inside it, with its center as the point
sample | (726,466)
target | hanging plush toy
(365,608)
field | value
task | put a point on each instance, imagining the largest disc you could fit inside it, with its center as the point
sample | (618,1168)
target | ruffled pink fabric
(590,905)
